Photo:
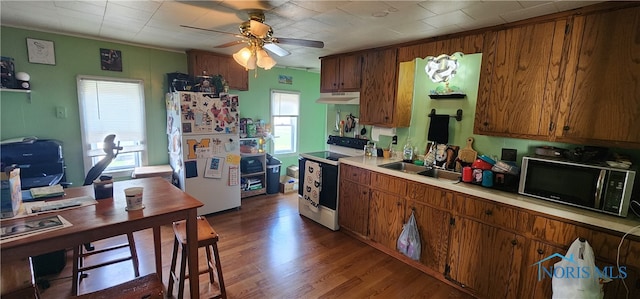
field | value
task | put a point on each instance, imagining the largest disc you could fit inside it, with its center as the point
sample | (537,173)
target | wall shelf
(27,91)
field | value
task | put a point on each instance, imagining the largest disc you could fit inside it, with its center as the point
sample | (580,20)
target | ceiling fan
(259,36)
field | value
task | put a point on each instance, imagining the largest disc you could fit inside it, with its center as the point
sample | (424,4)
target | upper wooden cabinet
(340,73)
(601,90)
(208,63)
(380,105)
(563,80)
(519,80)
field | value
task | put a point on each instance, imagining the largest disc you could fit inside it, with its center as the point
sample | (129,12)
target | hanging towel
(439,129)
(312,184)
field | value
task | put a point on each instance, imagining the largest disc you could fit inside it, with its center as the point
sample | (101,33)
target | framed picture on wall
(111,60)
(41,51)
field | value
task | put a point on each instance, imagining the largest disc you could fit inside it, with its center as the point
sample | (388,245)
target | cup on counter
(386,153)
(134,198)
(467,174)
(487,178)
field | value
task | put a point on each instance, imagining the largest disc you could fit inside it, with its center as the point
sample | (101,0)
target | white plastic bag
(409,240)
(576,276)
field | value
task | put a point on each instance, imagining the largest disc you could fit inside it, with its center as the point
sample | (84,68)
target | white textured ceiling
(342,25)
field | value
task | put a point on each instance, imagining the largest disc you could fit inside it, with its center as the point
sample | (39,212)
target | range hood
(343,98)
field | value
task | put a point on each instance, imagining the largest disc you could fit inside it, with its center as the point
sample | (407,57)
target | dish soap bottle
(407,153)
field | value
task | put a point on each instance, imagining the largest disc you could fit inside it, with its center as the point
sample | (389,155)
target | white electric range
(328,161)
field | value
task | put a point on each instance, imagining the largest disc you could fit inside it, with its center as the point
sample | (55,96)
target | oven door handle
(600,188)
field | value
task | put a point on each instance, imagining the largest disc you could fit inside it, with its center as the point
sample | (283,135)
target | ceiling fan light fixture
(266,62)
(251,62)
(242,56)
(259,30)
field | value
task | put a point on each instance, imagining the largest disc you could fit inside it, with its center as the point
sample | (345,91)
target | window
(285,107)
(112,106)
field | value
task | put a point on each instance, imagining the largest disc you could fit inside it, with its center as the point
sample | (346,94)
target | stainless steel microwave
(594,187)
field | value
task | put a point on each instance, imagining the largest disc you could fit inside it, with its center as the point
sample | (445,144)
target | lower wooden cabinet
(386,217)
(485,259)
(353,207)
(433,226)
(488,248)
(534,284)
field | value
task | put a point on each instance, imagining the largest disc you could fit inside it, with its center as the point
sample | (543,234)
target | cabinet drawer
(356,174)
(430,195)
(492,213)
(389,183)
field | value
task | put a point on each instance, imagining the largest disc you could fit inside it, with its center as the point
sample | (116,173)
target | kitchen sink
(441,174)
(423,170)
(404,167)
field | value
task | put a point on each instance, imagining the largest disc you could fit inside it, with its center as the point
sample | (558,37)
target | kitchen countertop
(619,224)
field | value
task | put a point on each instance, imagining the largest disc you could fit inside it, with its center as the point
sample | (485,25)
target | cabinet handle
(485,124)
(514,242)
(566,128)
(488,212)
(540,251)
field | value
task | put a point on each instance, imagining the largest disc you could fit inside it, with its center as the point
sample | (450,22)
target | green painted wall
(255,104)
(55,86)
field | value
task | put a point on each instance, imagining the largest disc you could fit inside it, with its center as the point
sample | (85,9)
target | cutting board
(467,154)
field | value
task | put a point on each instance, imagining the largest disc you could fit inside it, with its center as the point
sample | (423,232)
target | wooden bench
(145,287)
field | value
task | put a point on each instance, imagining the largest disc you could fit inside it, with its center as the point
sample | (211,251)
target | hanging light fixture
(254,55)
(242,56)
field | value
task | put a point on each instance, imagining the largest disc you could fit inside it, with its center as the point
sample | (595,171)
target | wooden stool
(79,255)
(208,238)
(148,287)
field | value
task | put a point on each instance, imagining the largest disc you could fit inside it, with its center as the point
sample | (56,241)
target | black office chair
(112,150)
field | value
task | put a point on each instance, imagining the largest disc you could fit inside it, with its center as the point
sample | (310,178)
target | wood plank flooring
(268,250)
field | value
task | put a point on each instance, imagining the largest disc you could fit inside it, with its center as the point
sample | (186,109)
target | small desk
(163,202)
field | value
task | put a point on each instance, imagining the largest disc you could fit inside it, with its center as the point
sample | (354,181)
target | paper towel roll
(377,131)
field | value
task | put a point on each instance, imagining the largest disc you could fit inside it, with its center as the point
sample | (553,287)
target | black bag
(179,82)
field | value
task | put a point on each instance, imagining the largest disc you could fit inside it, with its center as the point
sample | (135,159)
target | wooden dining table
(163,204)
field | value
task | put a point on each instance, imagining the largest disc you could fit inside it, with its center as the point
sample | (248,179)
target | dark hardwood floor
(268,250)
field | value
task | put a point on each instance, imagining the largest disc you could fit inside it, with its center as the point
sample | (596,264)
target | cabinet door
(378,91)
(535,283)
(350,72)
(353,207)
(433,226)
(329,74)
(237,76)
(485,259)
(341,73)
(519,79)
(386,217)
(601,81)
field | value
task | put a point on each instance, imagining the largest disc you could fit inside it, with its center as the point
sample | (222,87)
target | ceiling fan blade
(230,44)
(211,30)
(299,42)
(275,49)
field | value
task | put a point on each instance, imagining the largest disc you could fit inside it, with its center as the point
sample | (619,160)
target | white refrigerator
(204,148)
